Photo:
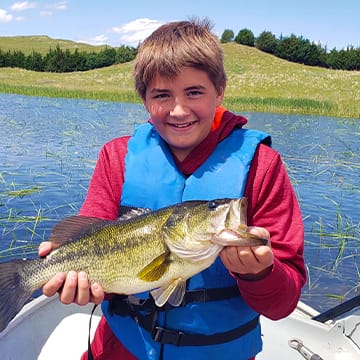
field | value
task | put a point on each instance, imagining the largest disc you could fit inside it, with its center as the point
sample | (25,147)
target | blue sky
(333,23)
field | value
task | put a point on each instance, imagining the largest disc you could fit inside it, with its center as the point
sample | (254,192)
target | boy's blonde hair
(175,45)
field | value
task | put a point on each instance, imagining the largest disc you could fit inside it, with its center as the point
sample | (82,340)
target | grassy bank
(42,44)
(256,82)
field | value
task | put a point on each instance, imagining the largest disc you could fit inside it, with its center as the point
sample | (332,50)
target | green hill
(42,44)
(255,76)
(257,81)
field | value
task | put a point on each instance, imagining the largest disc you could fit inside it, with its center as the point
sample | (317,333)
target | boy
(192,148)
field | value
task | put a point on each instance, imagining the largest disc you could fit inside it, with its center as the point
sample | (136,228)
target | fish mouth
(183,125)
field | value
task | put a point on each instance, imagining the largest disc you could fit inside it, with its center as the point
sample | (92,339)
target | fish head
(199,229)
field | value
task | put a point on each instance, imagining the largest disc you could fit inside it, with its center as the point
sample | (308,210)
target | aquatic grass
(339,238)
(24,230)
(18,246)
(338,234)
(28,224)
(14,190)
(22,192)
(24,251)
(351,285)
(117,96)
(32,228)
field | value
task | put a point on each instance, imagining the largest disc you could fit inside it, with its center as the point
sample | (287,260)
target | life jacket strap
(145,313)
(180,338)
(125,305)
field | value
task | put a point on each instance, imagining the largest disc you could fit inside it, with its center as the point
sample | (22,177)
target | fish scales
(105,255)
(154,251)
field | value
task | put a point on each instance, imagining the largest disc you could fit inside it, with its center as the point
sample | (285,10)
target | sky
(332,23)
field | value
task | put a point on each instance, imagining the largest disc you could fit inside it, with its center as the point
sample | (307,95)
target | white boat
(45,329)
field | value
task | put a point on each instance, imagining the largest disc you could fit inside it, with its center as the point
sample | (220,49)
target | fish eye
(212,205)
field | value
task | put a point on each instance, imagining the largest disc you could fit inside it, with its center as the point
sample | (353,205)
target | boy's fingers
(54,284)
(83,291)
(68,293)
(97,293)
(45,248)
(261,232)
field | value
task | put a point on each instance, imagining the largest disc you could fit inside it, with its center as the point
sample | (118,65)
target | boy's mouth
(183,125)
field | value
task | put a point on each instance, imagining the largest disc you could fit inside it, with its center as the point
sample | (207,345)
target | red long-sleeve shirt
(272,204)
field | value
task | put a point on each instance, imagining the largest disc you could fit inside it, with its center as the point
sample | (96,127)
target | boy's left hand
(252,262)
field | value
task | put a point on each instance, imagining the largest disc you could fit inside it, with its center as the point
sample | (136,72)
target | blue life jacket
(153,181)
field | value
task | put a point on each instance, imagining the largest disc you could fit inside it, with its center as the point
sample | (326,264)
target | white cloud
(130,33)
(21,6)
(5,17)
(46,13)
(97,40)
(136,31)
(51,8)
(62,5)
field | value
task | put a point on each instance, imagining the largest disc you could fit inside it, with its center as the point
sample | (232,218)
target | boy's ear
(220,96)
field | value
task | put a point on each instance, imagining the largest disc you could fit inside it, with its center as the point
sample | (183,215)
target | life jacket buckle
(167,336)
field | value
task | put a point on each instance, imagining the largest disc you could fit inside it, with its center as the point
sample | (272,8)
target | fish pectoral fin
(156,269)
(173,293)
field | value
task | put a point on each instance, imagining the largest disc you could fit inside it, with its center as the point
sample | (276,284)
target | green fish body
(144,251)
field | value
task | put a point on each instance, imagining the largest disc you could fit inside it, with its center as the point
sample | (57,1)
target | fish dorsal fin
(73,227)
(173,293)
(156,269)
(129,212)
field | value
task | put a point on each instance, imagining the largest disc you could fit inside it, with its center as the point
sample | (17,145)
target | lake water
(49,148)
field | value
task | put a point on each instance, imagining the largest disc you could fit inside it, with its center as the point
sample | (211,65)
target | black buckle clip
(166,336)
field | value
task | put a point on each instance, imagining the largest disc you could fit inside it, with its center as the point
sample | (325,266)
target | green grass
(257,82)
(289,87)
(42,44)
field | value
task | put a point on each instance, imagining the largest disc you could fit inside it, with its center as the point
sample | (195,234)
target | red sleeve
(103,196)
(272,204)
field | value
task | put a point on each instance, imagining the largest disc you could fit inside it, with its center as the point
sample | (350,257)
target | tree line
(59,60)
(292,48)
(297,49)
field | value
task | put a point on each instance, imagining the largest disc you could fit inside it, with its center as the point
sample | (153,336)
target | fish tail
(13,293)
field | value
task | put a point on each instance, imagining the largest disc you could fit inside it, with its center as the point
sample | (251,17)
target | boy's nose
(179,110)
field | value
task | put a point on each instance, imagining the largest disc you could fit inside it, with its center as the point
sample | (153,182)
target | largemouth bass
(142,251)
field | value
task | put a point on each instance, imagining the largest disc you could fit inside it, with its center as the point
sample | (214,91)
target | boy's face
(182,108)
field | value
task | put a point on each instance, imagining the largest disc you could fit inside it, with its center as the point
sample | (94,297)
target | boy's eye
(193,93)
(161,96)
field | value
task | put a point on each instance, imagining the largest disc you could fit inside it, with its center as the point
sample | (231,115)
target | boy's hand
(249,262)
(73,287)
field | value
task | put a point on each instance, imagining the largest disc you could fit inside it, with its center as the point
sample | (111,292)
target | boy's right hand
(73,287)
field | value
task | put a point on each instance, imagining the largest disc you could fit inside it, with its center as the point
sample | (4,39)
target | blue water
(49,147)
